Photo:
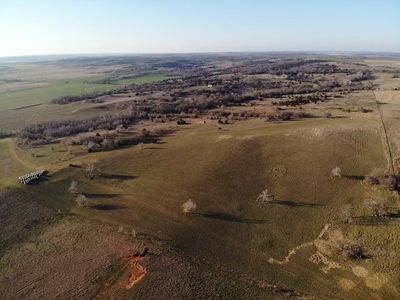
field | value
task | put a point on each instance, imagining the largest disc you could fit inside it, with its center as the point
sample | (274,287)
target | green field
(28,102)
(44,94)
(41,84)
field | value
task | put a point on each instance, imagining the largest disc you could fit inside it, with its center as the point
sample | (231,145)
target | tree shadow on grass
(292,203)
(107,207)
(230,218)
(118,176)
(354,177)
(339,117)
(154,148)
(375,220)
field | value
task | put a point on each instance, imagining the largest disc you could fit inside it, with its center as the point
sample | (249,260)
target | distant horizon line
(106,54)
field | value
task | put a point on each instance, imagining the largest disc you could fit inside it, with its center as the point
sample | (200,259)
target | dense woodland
(206,85)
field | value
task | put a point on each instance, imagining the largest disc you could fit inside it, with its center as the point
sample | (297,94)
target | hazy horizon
(30,28)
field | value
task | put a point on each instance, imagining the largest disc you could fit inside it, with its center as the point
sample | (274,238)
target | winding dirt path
(293,251)
(17,157)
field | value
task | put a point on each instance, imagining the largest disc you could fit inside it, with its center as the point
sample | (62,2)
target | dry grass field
(232,246)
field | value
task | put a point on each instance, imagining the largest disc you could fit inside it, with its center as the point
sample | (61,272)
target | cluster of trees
(6,134)
(93,97)
(362,75)
(118,139)
(170,108)
(44,132)
(287,115)
(302,100)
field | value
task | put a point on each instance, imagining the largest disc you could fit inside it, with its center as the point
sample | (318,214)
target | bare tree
(92,171)
(336,173)
(345,214)
(70,150)
(81,201)
(73,187)
(265,197)
(189,206)
(378,205)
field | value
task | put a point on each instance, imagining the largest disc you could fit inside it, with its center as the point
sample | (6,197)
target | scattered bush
(336,245)
(377,204)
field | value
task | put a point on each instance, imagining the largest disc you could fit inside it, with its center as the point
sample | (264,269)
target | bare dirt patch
(346,284)
(360,271)
(376,281)
(74,256)
(19,217)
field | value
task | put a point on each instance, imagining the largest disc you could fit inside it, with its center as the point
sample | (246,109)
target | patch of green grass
(44,94)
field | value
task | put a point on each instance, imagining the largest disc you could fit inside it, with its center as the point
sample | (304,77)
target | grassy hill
(224,171)
(231,247)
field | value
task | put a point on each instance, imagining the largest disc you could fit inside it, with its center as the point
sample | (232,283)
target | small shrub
(336,173)
(338,246)
(366,110)
(189,206)
(378,205)
(81,201)
(181,122)
(388,181)
(345,214)
(91,171)
(73,187)
(371,180)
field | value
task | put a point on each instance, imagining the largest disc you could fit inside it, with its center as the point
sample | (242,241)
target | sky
(35,27)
